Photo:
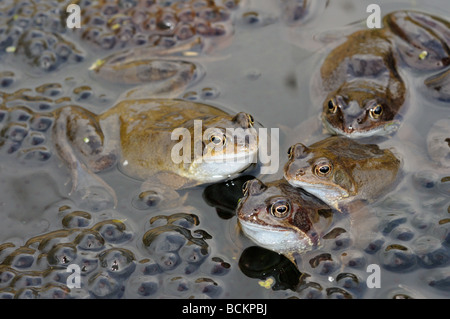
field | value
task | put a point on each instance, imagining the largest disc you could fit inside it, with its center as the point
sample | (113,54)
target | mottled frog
(364,93)
(138,136)
(339,170)
(282,218)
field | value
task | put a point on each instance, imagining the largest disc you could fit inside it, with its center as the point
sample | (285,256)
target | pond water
(189,244)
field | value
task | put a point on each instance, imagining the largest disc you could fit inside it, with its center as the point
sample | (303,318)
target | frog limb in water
(339,170)
(282,218)
(438,143)
(438,86)
(422,40)
(363,90)
(77,126)
(137,135)
(162,75)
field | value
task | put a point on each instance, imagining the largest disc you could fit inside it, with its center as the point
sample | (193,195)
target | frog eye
(280,209)
(290,152)
(218,139)
(322,169)
(376,111)
(251,120)
(332,107)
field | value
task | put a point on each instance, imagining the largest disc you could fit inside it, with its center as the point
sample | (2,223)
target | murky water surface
(188,244)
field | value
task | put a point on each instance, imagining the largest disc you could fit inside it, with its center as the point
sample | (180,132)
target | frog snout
(349,129)
(352,123)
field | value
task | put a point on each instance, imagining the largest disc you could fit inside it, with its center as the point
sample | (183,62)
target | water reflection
(225,196)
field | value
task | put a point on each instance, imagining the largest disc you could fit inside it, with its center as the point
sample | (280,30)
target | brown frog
(282,218)
(365,92)
(339,170)
(138,135)
(166,142)
(159,38)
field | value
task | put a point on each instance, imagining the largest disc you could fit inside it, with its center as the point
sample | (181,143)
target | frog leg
(168,194)
(86,185)
(438,86)
(171,180)
(156,77)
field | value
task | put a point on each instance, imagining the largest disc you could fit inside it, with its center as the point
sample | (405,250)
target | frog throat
(330,195)
(277,239)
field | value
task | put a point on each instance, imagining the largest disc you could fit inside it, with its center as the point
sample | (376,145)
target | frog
(340,170)
(138,137)
(363,92)
(282,218)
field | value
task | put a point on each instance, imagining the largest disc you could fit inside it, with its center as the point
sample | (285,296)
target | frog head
(320,173)
(228,146)
(360,109)
(280,217)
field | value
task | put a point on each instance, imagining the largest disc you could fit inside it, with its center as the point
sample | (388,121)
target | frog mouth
(216,169)
(278,239)
(328,194)
(381,129)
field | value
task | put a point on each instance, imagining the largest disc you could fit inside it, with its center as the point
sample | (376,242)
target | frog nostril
(301,172)
(359,120)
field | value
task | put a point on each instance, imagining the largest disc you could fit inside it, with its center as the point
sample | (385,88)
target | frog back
(146,128)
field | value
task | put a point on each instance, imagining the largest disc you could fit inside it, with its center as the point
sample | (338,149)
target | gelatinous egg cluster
(26,117)
(102,252)
(119,23)
(21,129)
(35,31)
